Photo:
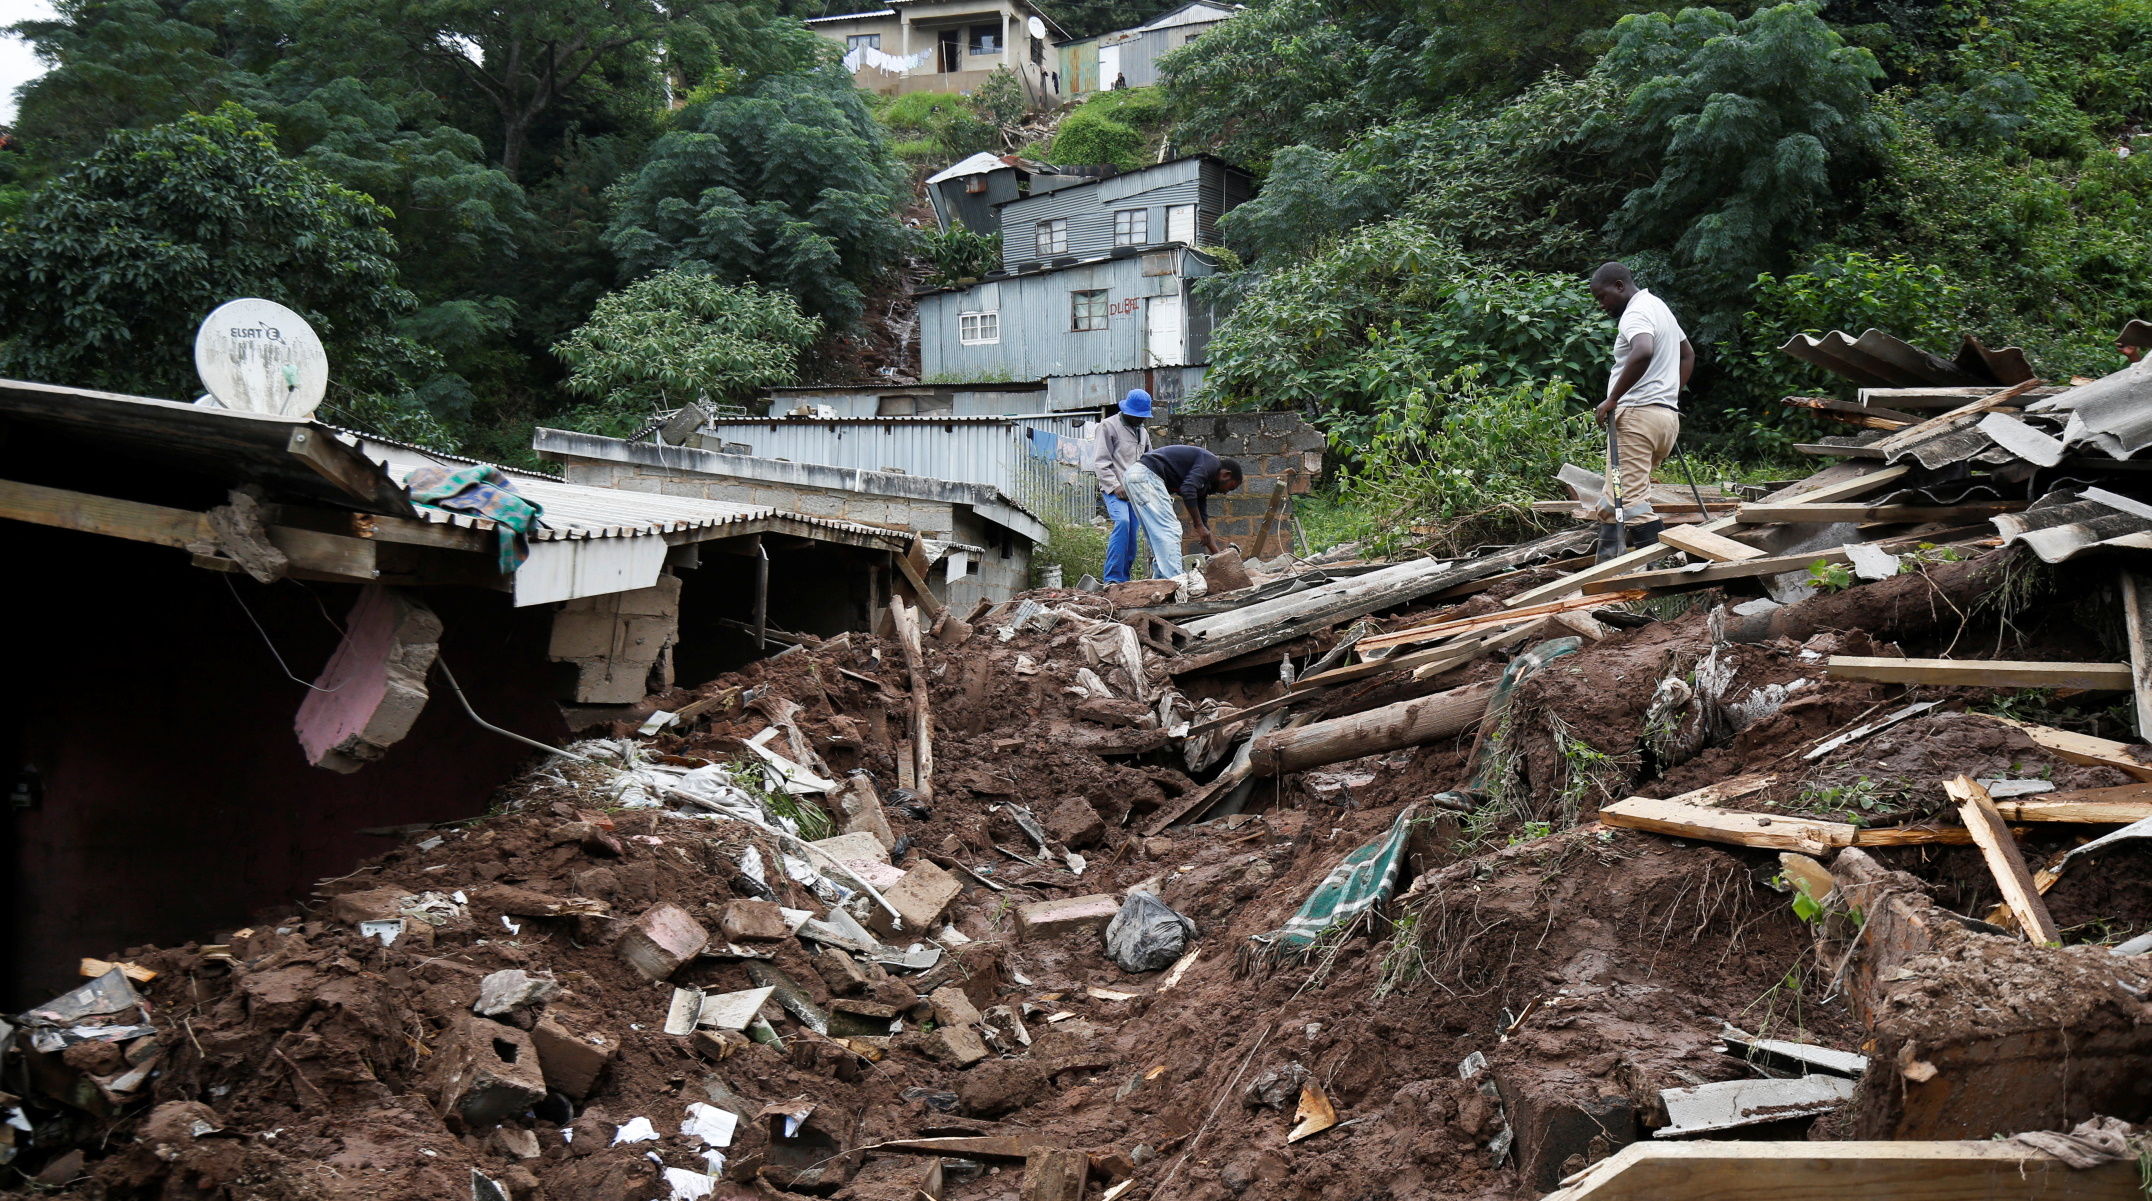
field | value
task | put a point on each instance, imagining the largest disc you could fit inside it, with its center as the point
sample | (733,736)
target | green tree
(678,337)
(789,185)
(118,260)
(1755,131)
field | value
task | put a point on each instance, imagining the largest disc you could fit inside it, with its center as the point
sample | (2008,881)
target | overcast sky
(17,65)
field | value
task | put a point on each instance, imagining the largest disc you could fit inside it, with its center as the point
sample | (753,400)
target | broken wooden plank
(922,757)
(1257,627)
(1622,564)
(1856,734)
(1904,1170)
(1702,542)
(1833,449)
(114,518)
(1727,790)
(990,1146)
(2079,748)
(1701,575)
(914,566)
(1808,835)
(1980,673)
(1911,836)
(1491,621)
(1874,416)
(1270,517)
(1450,654)
(1944,398)
(2137,620)
(1934,425)
(2004,861)
(2091,806)
(1832,514)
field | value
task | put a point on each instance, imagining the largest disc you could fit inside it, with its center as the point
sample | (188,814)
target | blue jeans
(1121,544)
(1154,513)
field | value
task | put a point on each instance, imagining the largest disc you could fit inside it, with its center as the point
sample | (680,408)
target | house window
(986,39)
(1131,227)
(1087,309)
(978,329)
(1181,224)
(1052,238)
(868,41)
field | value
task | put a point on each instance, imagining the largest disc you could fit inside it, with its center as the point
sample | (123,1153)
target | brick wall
(1270,447)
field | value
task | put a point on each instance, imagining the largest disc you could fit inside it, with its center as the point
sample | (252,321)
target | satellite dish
(1037,28)
(256,356)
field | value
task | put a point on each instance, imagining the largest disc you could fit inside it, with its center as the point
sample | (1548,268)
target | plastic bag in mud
(1147,935)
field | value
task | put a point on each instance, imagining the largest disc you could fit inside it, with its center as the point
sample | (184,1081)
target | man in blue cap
(1116,445)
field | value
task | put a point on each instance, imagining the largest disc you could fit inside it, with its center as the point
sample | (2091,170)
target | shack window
(1052,238)
(986,39)
(1087,309)
(1131,227)
(978,329)
(1181,224)
(870,41)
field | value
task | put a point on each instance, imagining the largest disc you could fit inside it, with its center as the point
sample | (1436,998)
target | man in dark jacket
(1191,473)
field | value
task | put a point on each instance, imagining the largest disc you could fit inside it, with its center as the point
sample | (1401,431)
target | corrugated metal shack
(1094,63)
(910,400)
(1177,202)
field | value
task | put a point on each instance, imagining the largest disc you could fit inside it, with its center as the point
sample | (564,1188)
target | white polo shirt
(1661,381)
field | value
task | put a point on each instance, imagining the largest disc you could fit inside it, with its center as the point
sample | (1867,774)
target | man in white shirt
(1652,362)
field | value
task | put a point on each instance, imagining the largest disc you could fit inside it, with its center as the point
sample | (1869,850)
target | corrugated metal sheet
(1210,184)
(1878,360)
(2063,525)
(2112,414)
(1001,452)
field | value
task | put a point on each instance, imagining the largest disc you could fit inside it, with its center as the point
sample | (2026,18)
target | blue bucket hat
(1137,403)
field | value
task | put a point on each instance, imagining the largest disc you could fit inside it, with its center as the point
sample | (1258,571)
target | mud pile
(484,1011)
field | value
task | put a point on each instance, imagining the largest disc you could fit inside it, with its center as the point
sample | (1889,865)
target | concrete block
(1561,1118)
(1052,919)
(571,1062)
(820,504)
(489,1072)
(1054,1176)
(862,812)
(375,684)
(660,600)
(953,1008)
(752,921)
(921,897)
(859,844)
(611,682)
(1307,438)
(664,937)
(960,1046)
(582,634)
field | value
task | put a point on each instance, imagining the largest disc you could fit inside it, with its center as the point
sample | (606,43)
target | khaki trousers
(1645,434)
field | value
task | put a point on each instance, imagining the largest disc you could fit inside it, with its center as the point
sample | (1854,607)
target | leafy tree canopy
(678,337)
(789,184)
(119,259)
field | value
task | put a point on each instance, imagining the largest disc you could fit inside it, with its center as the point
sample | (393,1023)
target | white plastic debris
(688,1186)
(712,1125)
(387,929)
(635,1130)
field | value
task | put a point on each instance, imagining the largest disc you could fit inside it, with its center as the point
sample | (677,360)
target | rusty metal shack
(195,590)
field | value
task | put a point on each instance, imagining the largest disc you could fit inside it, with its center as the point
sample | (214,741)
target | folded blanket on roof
(481,491)
(1364,880)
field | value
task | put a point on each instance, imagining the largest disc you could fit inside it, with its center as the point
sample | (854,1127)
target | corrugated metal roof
(1878,360)
(2064,524)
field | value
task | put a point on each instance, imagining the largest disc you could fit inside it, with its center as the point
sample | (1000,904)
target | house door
(1109,66)
(1162,331)
(951,50)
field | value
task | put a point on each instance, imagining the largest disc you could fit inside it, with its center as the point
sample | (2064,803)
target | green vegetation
(679,337)
(1078,549)
(1121,128)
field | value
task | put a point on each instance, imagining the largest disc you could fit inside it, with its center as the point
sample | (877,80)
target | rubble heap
(1434,878)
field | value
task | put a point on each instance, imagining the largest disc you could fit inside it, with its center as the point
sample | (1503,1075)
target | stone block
(1560,1115)
(752,921)
(1075,823)
(840,971)
(664,937)
(570,1062)
(959,1046)
(1307,439)
(921,898)
(1052,919)
(953,1008)
(489,1072)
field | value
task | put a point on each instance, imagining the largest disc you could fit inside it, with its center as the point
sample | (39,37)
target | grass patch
(1079,549)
